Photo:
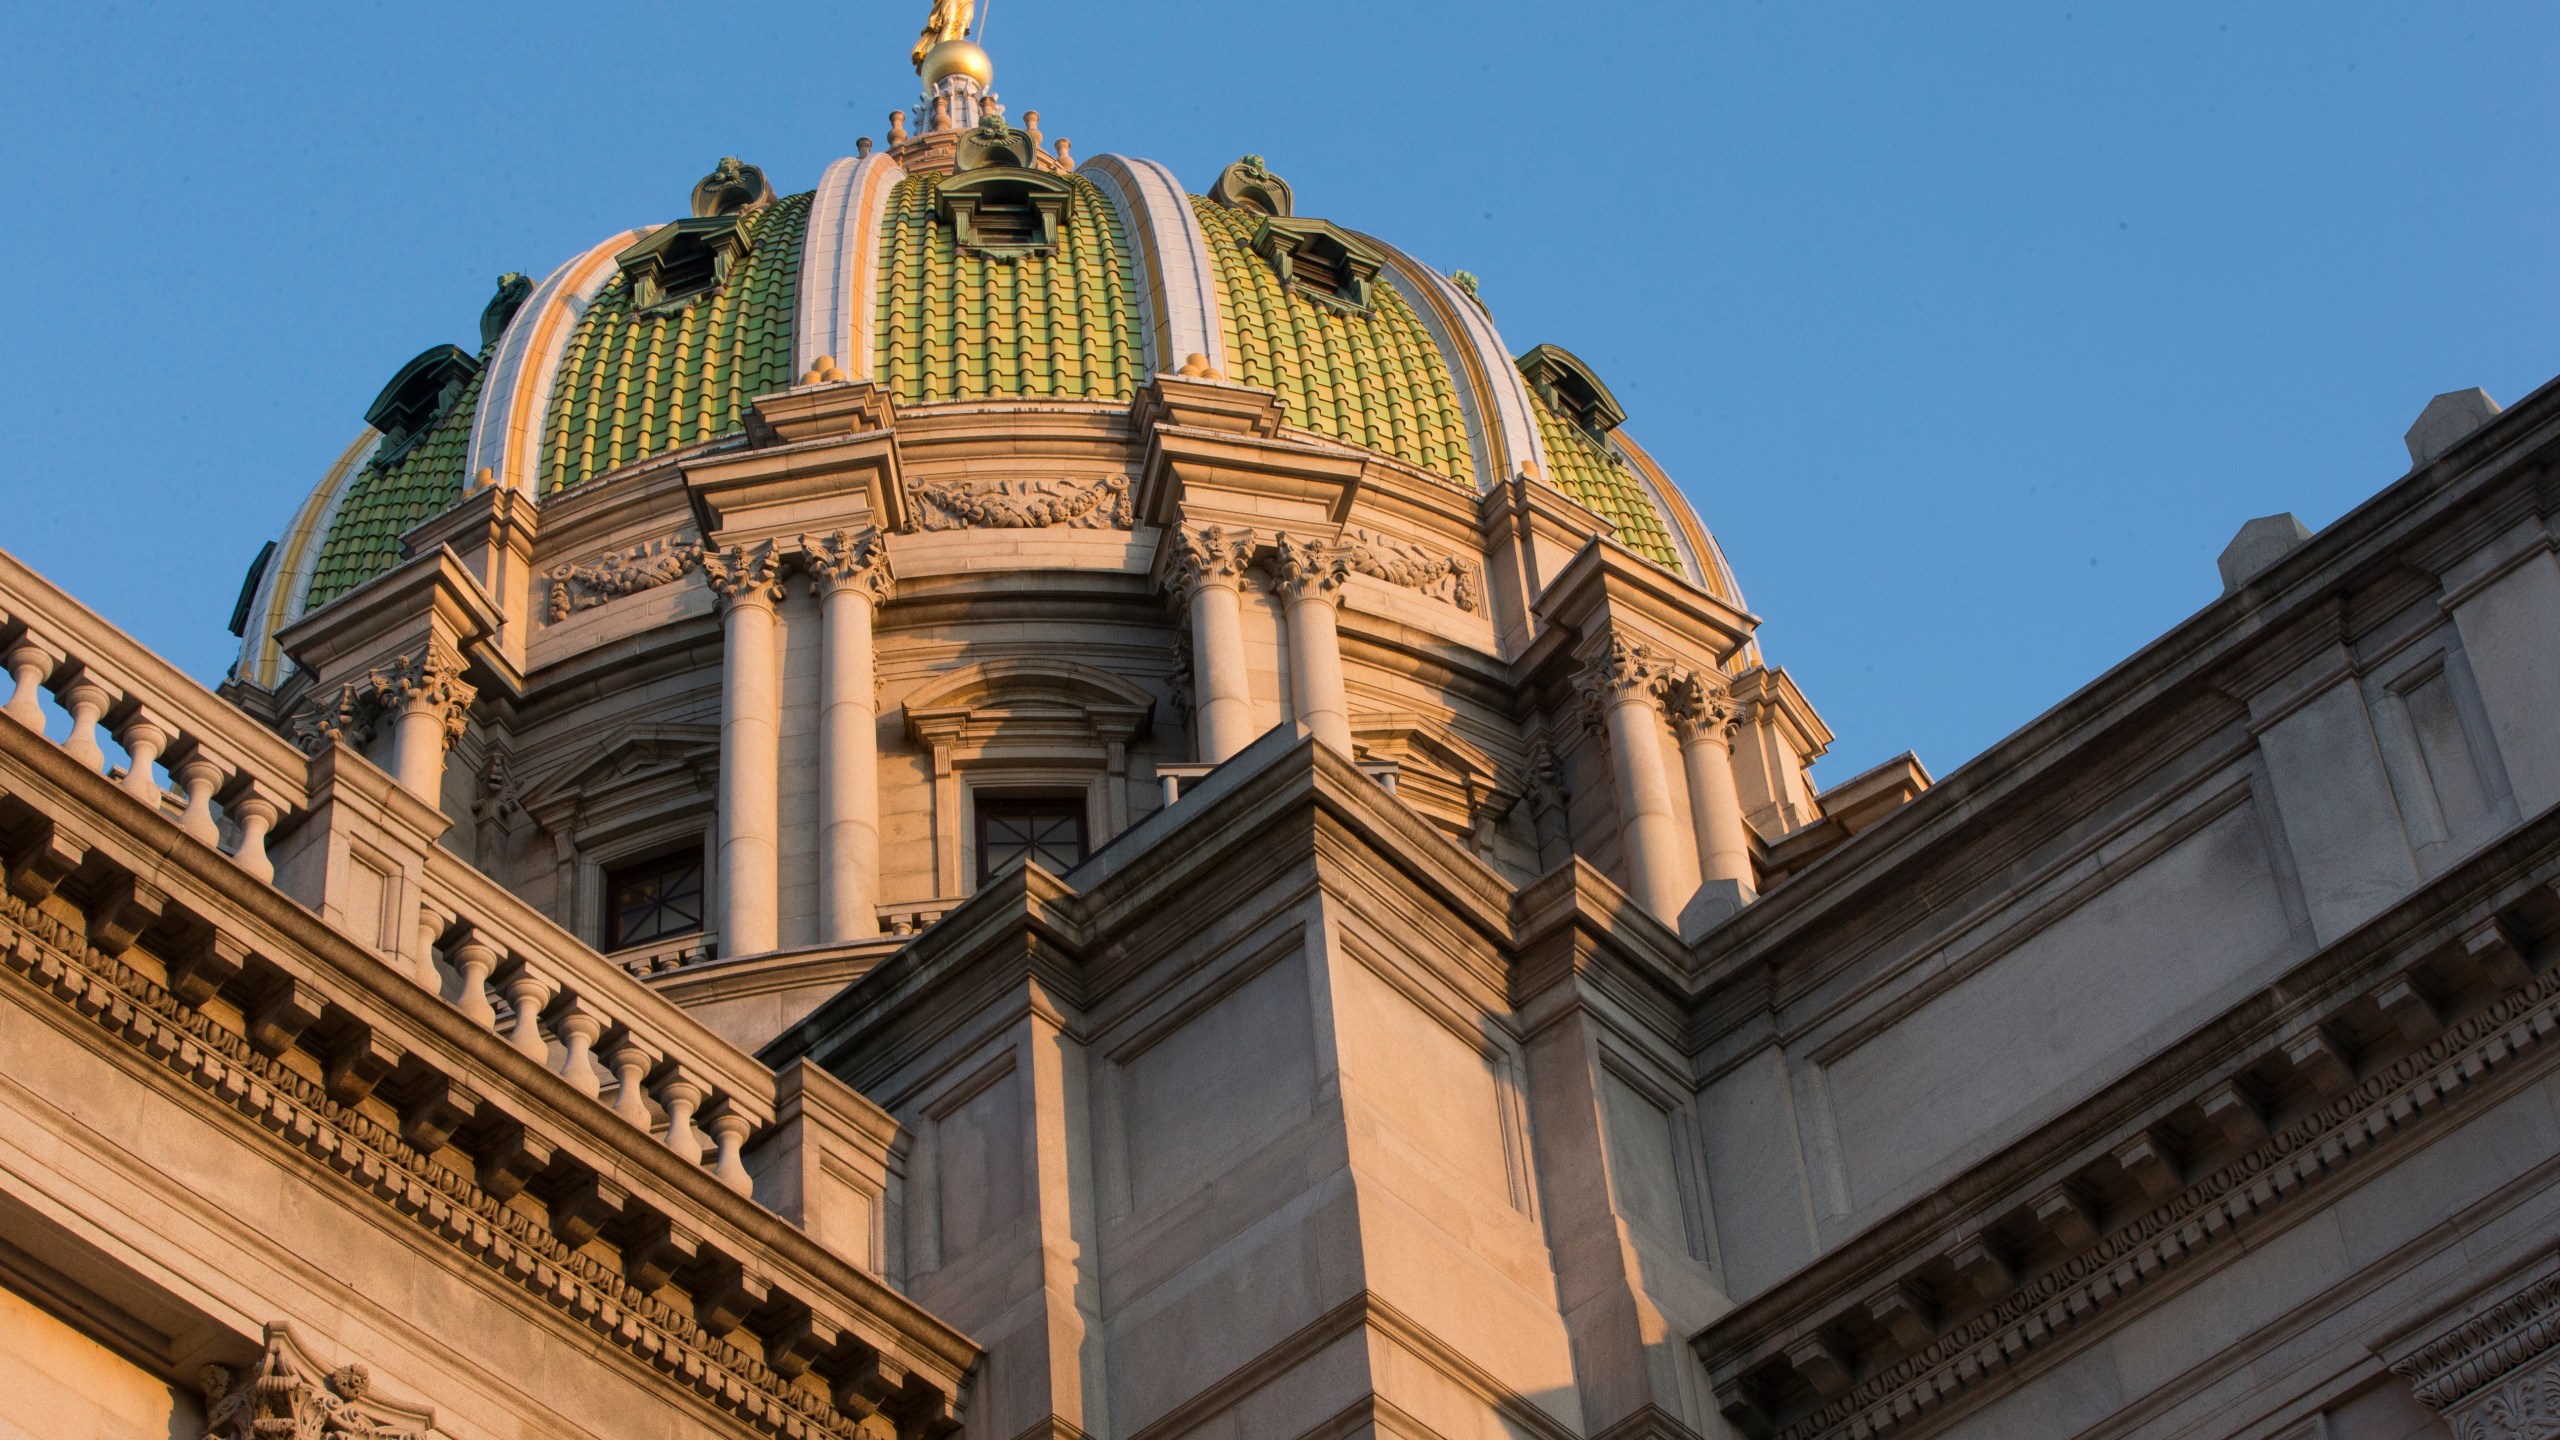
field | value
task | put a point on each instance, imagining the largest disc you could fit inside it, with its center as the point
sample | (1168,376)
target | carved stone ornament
(1308,569)
(642,567)
(1211,554)
(1026,504)
(281,1396)
(1442,577)
(1699,704)
(2496,1376)
(744,571)
(1619,668)
(354,712)
(858,558)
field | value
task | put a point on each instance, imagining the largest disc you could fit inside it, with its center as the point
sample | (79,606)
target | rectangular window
(653,900)
(1047,829)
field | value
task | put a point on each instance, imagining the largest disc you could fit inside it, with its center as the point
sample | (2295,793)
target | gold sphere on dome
(957,57)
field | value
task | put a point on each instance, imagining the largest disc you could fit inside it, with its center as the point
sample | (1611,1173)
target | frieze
(1025,504)
(642,567)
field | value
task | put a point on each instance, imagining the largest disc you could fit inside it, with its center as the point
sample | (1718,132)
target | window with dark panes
(653,900)
(1048,830)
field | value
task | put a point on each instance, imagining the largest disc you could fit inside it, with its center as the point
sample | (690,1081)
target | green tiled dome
(1601,481)
(1374,380)
(958,325)
(635,385)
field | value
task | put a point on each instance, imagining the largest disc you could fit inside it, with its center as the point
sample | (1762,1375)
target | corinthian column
(1310,575)
(748,580)
(1619,681)
(1704,716)
(852,574)
(1209,567)
(430,706)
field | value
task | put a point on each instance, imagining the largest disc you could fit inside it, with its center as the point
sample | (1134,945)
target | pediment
(973,702)
(630,753)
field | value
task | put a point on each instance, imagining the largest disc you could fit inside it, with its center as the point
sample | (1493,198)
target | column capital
(429,682)
(1309,569)
(1206,556)
(744,574)
(856,559)
(1619,668)
(1699,705)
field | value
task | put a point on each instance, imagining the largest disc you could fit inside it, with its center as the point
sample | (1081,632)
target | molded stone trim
(840,266)
(515,399)
(1177,306)
(1501,428)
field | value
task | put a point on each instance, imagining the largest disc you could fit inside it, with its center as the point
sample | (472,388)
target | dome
(584,376)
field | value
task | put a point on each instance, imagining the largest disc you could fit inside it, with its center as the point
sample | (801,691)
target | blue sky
(1973,331)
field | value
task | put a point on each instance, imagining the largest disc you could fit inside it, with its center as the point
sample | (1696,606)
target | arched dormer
(1012,740)
(1572,391)
(423,392)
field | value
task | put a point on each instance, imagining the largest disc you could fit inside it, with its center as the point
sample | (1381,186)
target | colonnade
(1634,692)
(1208,571)
(851,577)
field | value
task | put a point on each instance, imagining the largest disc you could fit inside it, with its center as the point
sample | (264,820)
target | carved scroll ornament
(2497,1375)
(1026,504)
(280,1397)
(642,567)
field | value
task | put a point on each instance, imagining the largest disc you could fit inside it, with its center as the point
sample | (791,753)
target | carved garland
(1026,505)
(130,1006)
(642,567)
(1442,577)
(2207,1212)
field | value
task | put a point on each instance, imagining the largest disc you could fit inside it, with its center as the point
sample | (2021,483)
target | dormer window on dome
(1321,261)
(1567,387)
(999,204)
(678,262)
(422,393)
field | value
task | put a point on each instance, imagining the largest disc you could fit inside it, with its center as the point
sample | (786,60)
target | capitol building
(1000,794)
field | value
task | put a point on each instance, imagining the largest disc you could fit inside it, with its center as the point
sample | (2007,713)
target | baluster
(144,738)
(631,1061)
(86,699)
(475,957)
(528,992)
(730,1129)
(29,662)
(199,775)
(682,1097)
(579,1027)
(433,921)
(257,815)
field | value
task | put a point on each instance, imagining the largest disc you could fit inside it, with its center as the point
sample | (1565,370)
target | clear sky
(1973,331)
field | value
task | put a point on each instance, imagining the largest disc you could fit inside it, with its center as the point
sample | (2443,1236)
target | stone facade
(1193,913)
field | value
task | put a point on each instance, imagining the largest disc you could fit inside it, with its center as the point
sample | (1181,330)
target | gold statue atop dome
(949,21)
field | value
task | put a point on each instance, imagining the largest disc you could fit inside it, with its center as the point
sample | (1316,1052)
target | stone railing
(441,1042)
(230,781)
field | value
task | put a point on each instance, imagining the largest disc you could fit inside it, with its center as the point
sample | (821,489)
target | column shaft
(1657,870)
(1225,708)
(1315,669)
(1715,807)
(848,770)
(750,778)
(417,751)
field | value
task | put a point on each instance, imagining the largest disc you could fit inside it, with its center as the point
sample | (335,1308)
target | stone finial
(1064,157)
(1196,366)
(897,127)
(862,147)
(2260,543)
(2444,422)
(825,372)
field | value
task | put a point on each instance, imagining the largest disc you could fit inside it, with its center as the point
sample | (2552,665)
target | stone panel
(2042,1026)
(980,1180)
(1248,1059)
(2511,630)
